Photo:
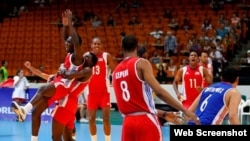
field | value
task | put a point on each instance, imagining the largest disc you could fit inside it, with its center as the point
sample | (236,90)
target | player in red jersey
(60,86)
(133,83)
(100,97)
(192,77)
(204,61)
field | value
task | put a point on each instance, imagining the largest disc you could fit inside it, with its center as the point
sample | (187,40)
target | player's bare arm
(173,117)
(145,72)
(176,81)
(86,72)
(111,62)
(37,72)
(208,76)
(78,52)
(233,98)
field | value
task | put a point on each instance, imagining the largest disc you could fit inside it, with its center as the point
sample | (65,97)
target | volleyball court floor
(21,131)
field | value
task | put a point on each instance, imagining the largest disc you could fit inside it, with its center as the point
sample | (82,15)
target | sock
(107,138)
(93,138)
(28,107)
(34,138)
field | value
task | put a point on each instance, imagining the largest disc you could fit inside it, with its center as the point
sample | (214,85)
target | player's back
(132,94)
(212,107)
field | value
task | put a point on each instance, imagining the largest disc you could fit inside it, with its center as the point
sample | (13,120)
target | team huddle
(133,81)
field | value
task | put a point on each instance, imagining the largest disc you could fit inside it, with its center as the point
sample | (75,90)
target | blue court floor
(21,131)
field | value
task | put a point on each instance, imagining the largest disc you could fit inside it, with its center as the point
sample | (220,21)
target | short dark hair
(94,59)
(129,43)
(230,74)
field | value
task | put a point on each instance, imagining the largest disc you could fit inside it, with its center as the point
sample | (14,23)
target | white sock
(34,138)
(107,138)
(93,138)
(28,107)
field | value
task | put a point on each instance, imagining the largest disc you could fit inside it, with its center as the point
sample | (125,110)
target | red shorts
(141,128)
(64,117)
(98,100)
(61,92)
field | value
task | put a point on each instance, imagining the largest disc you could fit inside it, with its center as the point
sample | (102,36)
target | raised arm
(75,37)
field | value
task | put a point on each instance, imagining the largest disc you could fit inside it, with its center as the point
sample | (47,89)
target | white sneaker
(84,120)
(99,119)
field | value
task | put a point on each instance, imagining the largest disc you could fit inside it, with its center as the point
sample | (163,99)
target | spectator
(221,18)
(88,15)
(170,45)
(123,4)
(172,68)
(221,31)
(167,14)
(246,60)
(173,24)
(96,22)
(77,21)
(161,75)
(135,4)
(111,21)
(134,21)
(235,21)
(206,25)
(21,84)
(216,5)
(3,71)
(186,25)
(155,59)
(157,33)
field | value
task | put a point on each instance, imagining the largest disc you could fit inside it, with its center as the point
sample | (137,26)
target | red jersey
(65,86)
(100,79)
(191,80)
(133,95)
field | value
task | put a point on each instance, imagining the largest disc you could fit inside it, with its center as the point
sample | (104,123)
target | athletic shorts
(141,128)
(61,92)
(64,117)
(98,100)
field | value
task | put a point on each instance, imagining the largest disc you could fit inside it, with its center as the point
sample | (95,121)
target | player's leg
(105,104)
(92,109)
(46,91)
(106,123)
(92,121)
(57,130)
(36,116)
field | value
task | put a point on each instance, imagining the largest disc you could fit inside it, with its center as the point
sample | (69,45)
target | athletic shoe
(23,114)
(74,136)
(18,111)
(99,119)
(84,120)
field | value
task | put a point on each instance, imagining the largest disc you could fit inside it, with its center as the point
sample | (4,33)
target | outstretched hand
(174,117)
(191,116)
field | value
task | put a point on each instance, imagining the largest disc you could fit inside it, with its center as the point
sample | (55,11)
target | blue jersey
(212,107)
